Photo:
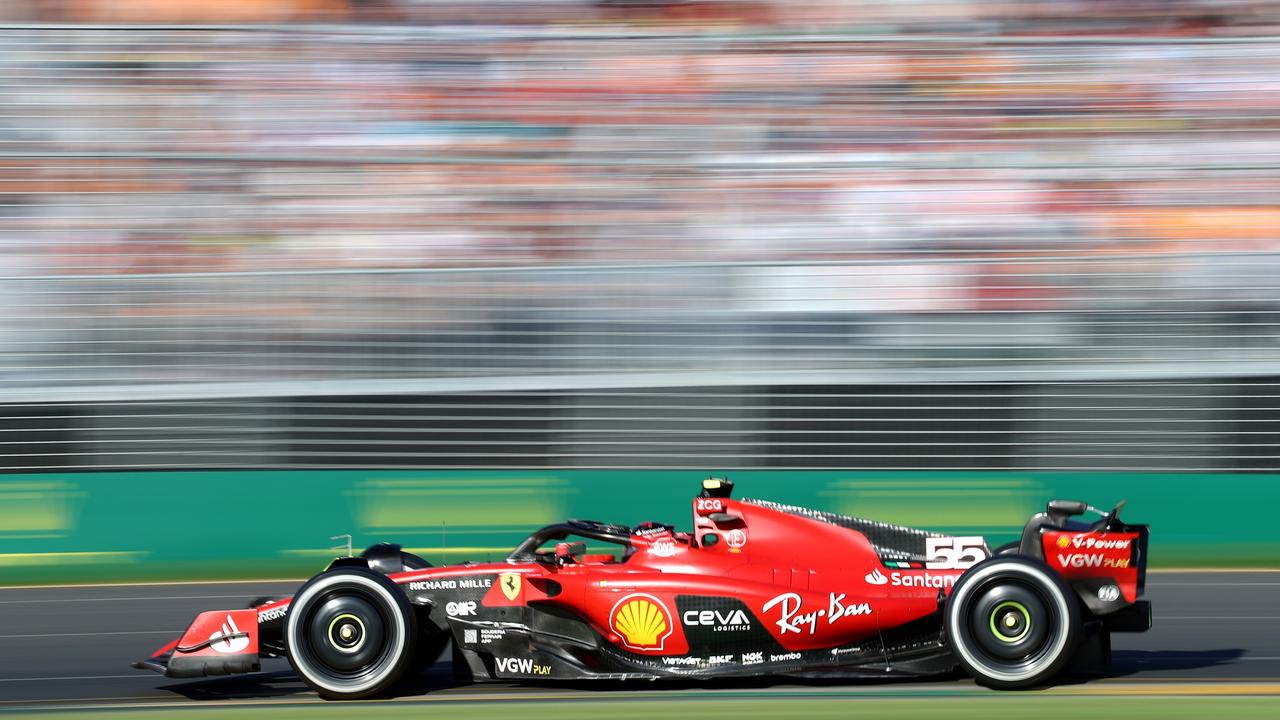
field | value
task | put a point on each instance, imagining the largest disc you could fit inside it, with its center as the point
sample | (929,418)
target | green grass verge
(1019,706)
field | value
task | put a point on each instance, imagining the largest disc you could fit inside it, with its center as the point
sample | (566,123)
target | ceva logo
(230,639)
(875,577)
(732,620)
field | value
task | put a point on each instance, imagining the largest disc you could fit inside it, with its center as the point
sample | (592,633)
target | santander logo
(911,580)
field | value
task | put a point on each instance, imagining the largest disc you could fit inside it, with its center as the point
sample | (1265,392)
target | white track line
(1158,616)
(91,634)
(1164,584)
(1207,571)
(916,692)
(445,693)
(1181,658)
(298,581)
(41,601)
(137,676)
(85,704)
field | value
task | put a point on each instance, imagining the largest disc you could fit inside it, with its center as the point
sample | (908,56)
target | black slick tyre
(1012,622)
(350,633)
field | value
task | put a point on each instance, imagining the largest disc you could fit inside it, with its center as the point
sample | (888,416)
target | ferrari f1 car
(757,588)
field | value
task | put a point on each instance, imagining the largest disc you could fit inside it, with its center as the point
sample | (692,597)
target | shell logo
(643,621)
(1063,541)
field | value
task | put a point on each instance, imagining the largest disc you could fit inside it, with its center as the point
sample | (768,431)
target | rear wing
(1105,562)
(1108,568)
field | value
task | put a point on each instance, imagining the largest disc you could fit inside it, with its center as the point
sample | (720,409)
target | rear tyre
(1008,549)
(1012,622)
(350,633)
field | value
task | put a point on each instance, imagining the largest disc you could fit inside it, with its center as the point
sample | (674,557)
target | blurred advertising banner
(146,526)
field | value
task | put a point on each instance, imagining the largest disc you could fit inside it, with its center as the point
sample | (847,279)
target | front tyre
(350,633)
(1012,622)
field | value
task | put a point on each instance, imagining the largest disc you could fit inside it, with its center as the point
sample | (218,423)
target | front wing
(218,642)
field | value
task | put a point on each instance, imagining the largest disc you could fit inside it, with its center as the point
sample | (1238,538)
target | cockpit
(566,550)
(566,543)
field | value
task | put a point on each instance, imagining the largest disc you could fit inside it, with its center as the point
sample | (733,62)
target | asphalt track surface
(71,646)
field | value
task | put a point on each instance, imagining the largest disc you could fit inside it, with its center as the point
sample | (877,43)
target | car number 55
(954,553)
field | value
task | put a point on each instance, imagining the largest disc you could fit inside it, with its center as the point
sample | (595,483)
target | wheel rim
(1010,621)
(1014,624)
(346,631)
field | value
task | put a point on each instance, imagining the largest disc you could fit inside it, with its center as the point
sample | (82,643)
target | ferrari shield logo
(510,584)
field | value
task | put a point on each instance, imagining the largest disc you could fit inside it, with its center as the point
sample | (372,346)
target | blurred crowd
(166,149)
(993,156)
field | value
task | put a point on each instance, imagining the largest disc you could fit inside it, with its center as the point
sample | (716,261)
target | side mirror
(1066,508)
(1059,510)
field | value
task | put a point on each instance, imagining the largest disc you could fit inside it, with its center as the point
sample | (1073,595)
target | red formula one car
(757,588)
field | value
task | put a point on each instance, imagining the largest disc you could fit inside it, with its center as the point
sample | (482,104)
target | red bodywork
(809,583)
(1081,555)
(807,599)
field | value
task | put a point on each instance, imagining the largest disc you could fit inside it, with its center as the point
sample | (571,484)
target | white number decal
(954,553)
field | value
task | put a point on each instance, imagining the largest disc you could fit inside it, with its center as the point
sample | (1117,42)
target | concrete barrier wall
(102,527)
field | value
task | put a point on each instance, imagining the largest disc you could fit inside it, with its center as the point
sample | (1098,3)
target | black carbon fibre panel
(891,542)
(720,625)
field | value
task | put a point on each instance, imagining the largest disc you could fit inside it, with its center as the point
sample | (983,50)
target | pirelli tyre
(350,633)
(1012,622)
